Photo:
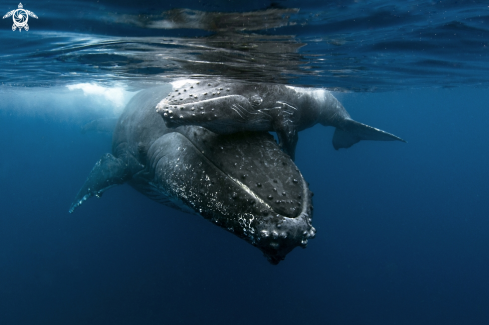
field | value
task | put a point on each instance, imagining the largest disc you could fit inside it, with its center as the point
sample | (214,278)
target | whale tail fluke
(352,132)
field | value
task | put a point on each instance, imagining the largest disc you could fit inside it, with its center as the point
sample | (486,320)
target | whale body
(241,182)
(225,107)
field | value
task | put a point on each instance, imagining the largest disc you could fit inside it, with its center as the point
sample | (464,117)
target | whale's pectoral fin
(288,138)
(107,172)
(352,132)
(283,124)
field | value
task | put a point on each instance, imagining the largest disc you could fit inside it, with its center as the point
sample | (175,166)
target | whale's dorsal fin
(108,171)
(351,132)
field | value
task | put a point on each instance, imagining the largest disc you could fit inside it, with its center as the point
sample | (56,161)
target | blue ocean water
(401,228)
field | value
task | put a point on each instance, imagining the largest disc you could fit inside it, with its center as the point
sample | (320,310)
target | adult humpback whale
(241,182)
(224,107)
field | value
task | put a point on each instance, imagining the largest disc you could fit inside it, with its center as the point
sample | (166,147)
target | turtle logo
(20,17)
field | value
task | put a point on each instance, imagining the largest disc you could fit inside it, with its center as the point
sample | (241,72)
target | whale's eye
(256,101)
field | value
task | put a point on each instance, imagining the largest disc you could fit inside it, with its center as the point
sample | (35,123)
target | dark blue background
(401,229)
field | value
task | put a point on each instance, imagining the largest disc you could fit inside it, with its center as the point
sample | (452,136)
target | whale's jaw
(242,182)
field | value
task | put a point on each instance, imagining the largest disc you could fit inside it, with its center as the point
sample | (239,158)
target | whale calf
(241,182)
(225,107)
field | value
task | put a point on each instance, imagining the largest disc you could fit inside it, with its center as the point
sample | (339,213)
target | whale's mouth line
(236,181)
(306,202)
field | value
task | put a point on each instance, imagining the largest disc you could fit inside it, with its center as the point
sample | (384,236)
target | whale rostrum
(241,182)
(225,107)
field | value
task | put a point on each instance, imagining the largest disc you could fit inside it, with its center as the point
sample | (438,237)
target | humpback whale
(225,107)
(241,182)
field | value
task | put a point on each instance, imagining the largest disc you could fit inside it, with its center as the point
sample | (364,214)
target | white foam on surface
(65,102)
(116,96)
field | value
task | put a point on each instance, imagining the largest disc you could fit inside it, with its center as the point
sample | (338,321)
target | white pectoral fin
(30,13)
(8,14)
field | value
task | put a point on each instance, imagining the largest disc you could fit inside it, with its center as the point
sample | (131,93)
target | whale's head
(241,182)
(184,105)
(218,105)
